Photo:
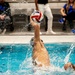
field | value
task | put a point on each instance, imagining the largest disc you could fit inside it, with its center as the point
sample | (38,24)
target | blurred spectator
(43,6)
(68,13)
(5,16)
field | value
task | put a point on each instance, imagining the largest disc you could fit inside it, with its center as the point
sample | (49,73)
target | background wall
(31,0)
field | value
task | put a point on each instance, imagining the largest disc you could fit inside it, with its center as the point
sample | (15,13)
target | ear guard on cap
(32,42)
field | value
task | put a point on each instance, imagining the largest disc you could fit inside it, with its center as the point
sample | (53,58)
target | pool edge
(46,39)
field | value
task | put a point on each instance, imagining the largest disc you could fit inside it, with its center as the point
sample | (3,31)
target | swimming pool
(15,57)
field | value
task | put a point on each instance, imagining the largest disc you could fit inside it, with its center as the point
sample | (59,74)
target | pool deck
(19,37)
(16,39)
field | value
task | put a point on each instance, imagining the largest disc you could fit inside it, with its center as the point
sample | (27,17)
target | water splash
(26,67)
(27,59)
(69,53)
(25,27)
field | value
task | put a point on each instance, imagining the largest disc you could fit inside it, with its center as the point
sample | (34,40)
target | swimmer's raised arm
(40,55)
(36,30)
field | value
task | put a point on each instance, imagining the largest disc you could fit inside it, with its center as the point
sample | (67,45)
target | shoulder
(64,5)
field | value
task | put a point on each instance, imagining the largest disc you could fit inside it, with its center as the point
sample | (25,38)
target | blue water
(15,59)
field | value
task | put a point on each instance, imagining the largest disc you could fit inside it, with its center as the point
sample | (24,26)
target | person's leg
(11,26)
(46,23)
(6,22)
(41,8)
(49,15)
(1,26)
(64,26)
(70,18)
(65,19)
(71,25)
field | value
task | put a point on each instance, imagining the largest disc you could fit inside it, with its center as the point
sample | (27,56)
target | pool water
(15,59)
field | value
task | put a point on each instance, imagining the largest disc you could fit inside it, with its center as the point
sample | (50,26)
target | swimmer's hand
(69,65)
(32,22)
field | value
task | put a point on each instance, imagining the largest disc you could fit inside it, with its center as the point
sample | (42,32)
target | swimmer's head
(32,41)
